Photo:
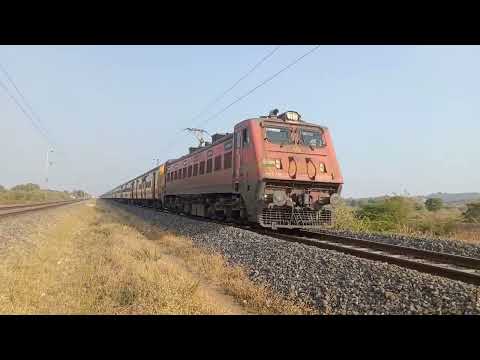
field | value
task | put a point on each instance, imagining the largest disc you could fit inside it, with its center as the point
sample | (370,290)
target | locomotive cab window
(277,135)
(311,138)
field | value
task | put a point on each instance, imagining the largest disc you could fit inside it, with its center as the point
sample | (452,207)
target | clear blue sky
(402,117)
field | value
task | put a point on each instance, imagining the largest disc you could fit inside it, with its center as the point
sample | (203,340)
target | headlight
(323,169)
(278,164)
(292,115)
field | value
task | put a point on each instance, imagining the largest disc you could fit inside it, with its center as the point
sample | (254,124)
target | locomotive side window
(278,135)
(202,167)
(227,160)
(190,171)
(245,137)
(175,174)
(311,138)
(184,173)
(209,166)
(195,170)
(218,162)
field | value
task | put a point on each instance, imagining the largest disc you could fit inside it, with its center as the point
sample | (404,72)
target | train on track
(278,171)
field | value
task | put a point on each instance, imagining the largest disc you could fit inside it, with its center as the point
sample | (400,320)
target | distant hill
(455,198)
(448,198)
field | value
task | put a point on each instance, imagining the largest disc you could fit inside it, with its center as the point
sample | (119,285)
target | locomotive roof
(279,120)
(219,141)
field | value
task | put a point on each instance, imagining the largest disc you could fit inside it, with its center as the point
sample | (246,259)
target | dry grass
(99,261)
(467,236)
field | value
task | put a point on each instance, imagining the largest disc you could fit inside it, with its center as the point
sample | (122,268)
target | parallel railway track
(462,268)
(10,210)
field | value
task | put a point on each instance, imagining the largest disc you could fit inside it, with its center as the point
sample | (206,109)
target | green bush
(387,214)
(26,187)
(472,213)
(434,204)
(28,193)
(345,218)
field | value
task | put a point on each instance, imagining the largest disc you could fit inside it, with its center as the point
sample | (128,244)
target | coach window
(209,166)
(190,171)
(184,173)
(218,162)
(202,167)
(175,175)
(227,160)
(245,137)
(195,170)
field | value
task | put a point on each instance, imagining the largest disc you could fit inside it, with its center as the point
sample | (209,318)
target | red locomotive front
(286,171)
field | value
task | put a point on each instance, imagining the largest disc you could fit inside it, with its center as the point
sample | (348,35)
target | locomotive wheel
(211,212)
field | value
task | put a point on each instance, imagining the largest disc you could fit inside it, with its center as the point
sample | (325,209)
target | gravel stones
(334,283)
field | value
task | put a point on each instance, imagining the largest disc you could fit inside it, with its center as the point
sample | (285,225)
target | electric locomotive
(278,171)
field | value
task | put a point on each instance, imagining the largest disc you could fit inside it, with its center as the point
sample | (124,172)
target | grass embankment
(104,261)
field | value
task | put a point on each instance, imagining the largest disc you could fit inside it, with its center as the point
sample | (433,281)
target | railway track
(9,210)
(462,268)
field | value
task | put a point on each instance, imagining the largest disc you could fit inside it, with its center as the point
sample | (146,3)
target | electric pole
(48,163)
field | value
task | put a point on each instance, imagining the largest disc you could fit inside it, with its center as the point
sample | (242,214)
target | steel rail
(18,206)
(4,212)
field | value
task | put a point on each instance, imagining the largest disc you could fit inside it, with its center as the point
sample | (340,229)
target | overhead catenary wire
(29,117)
(31,114)
(264,82)
(25,101)
(243,77)
(267,80)
(218,98)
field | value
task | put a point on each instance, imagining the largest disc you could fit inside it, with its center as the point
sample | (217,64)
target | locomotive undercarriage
(213,206)
(283,204)
(279,204)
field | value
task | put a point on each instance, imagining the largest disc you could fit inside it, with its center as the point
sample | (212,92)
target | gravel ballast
(332,282)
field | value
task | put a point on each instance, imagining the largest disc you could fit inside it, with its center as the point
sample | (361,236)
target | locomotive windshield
(311,138)
(278,135)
